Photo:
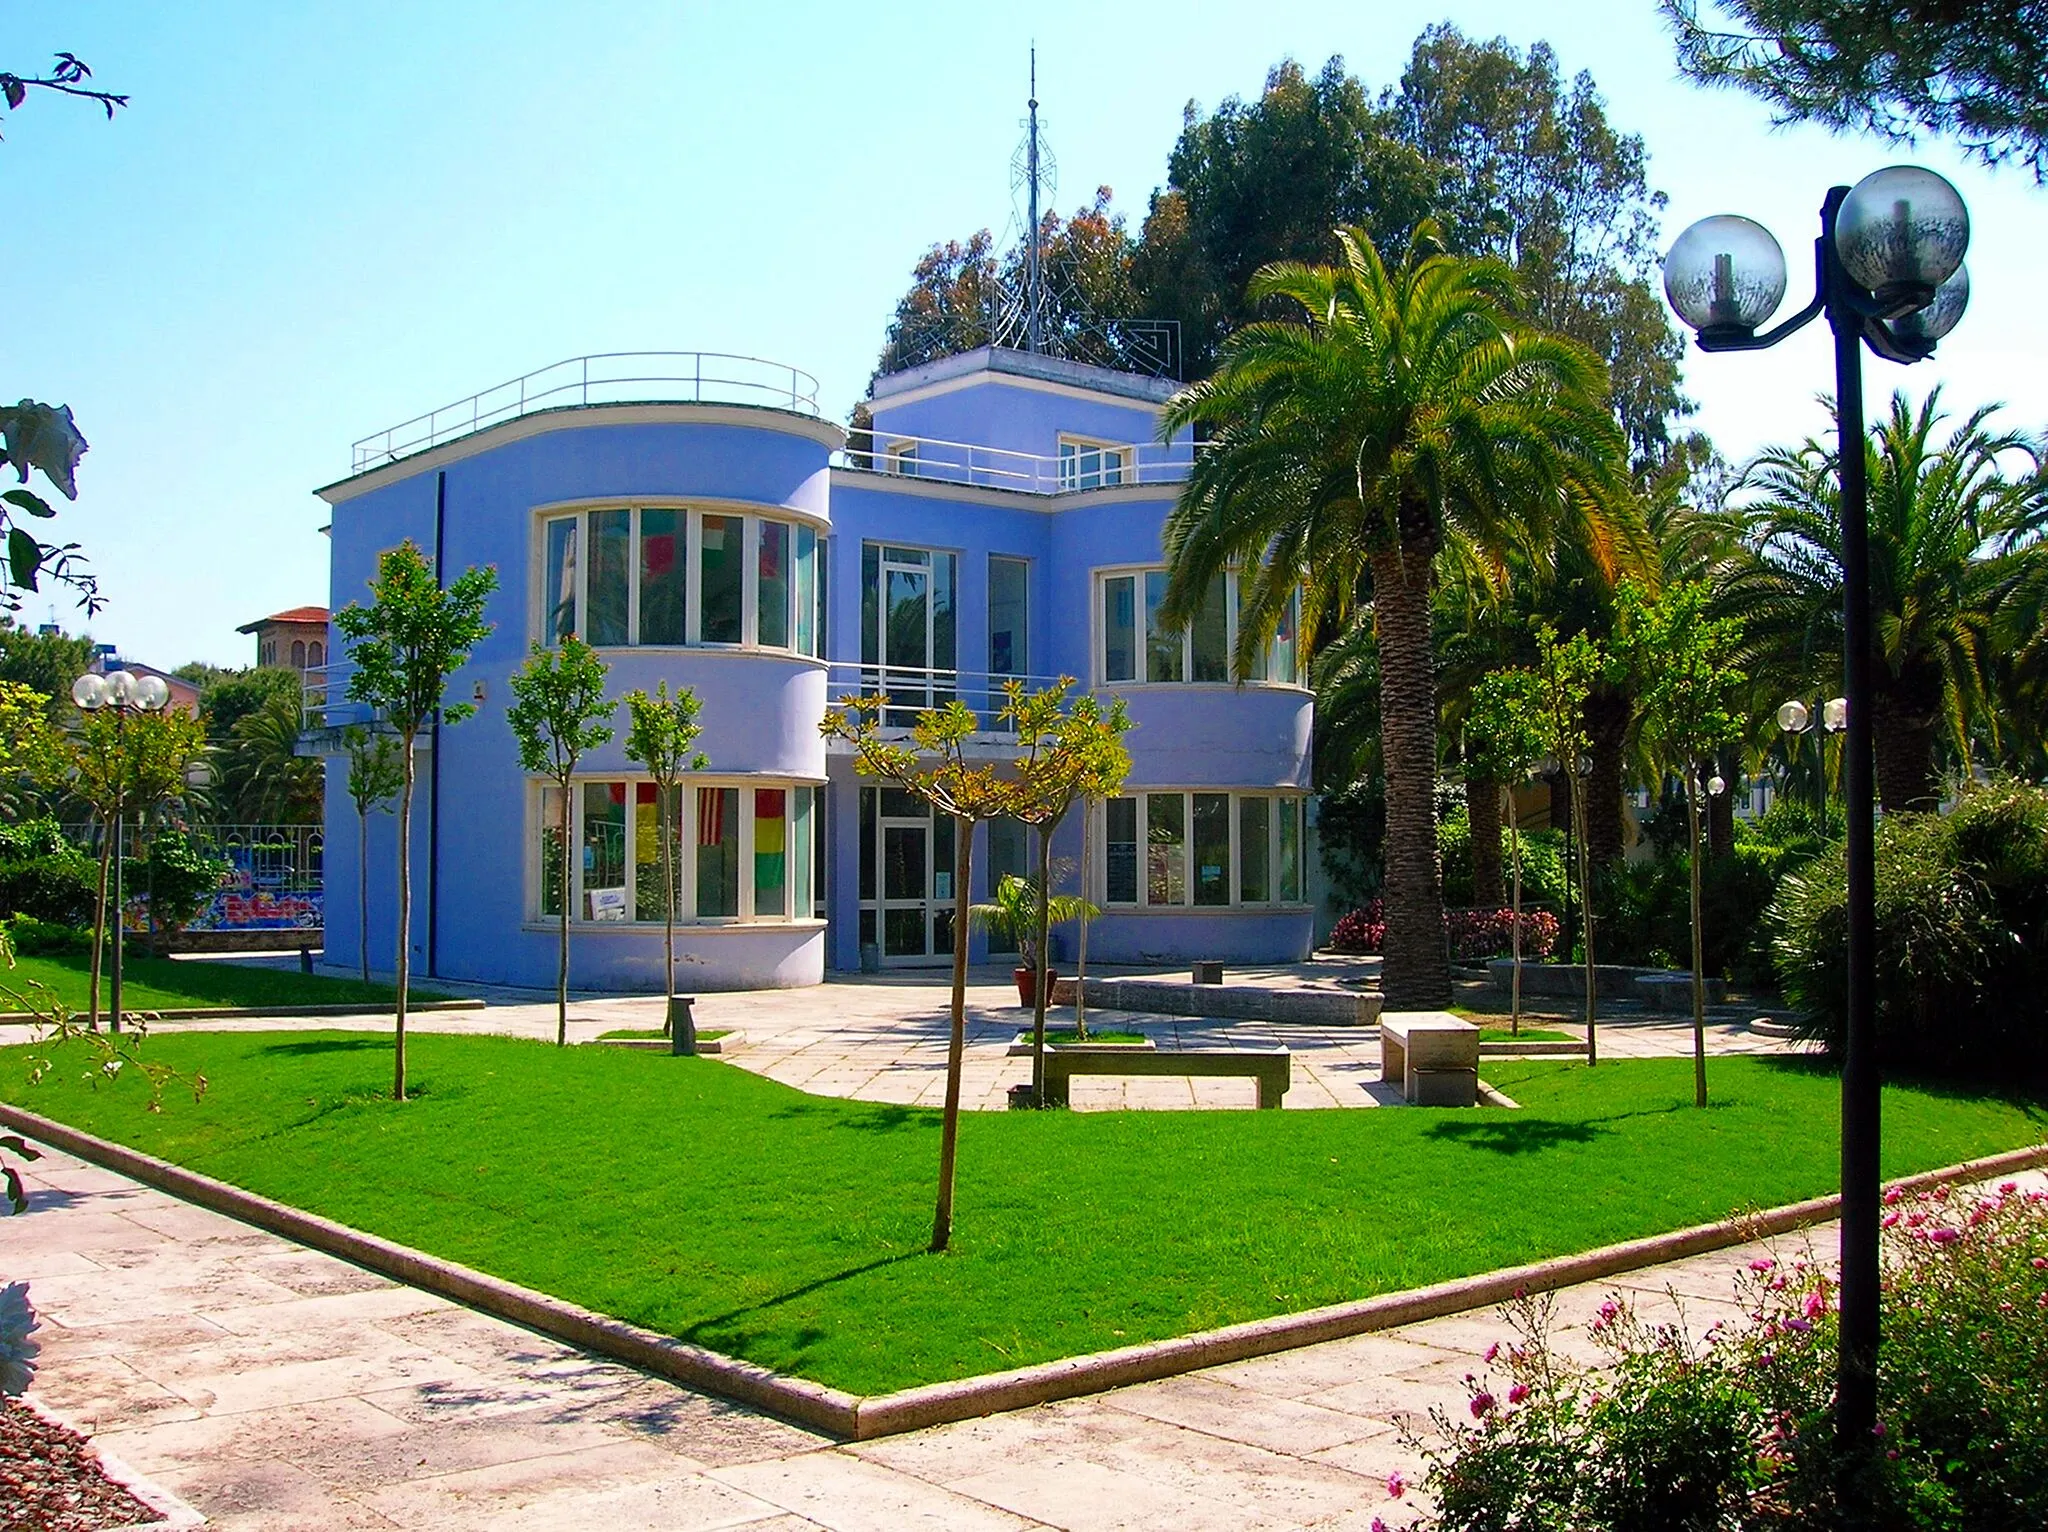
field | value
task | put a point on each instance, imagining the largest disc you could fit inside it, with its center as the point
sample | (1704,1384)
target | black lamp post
(1888,274)
(125,693)
(1795,717)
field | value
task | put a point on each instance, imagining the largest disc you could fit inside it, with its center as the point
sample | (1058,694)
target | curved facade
(1002,519)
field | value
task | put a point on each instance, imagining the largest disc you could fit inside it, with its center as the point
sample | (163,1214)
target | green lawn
(649,1034)
(162,984)
(692,1197)
(1526,1035)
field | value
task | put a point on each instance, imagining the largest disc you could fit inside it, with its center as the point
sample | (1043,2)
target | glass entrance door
(911,909)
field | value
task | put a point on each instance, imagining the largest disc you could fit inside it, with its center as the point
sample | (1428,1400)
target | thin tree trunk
(1042,987)
(363,890)
(562,935)
(1586,923)
(99,934)
(1699,988)
(1483,814)
(1415,973)
(1599,812)
(402,971)
(1507,795)
(1081,944)
(956,1044)
(668,916)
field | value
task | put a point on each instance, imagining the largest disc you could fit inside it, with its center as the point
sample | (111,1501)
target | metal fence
(273,882)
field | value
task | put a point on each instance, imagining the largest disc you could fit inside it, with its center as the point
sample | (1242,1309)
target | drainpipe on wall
(434,767)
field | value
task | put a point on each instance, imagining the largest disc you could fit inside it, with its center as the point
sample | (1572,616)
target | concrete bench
(1671,993)
(1433,1054)
(1271,1067)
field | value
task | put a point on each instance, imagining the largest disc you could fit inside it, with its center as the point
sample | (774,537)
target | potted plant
(1012,912)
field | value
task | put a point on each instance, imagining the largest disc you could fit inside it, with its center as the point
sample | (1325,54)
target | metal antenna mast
(1034,298)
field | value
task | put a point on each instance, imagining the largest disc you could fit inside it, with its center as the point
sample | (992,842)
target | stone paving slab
(339,1400)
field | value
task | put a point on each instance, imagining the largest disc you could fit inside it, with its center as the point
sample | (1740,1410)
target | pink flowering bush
(1469,933)
(1731,1429)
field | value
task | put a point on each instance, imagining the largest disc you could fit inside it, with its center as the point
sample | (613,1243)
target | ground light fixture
(124,692)
(1888,274)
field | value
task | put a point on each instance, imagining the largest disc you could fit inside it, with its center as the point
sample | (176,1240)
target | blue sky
(319,220)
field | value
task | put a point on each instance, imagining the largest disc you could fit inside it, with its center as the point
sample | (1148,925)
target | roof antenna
(1033,279)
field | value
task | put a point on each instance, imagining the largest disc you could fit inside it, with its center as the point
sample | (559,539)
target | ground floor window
(1192,849)
(906,877)
(737,852)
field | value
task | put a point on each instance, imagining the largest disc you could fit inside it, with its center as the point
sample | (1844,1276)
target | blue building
(1001,518)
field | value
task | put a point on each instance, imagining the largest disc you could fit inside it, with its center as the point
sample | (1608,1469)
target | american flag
(710,815)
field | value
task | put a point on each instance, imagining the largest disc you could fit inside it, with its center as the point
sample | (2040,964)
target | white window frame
(1099,635)
(750,518)
(900,457)
(1110,467)
(1099,833)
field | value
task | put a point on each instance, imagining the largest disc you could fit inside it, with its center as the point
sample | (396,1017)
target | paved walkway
(883,1038)
(275,1388)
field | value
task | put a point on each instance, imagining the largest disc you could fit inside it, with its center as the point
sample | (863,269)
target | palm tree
(263,778)
(1948,525)
(1389,407)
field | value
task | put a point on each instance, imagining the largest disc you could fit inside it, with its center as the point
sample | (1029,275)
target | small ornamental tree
(1690,702)
(374,779)
(403,647)
(557,715)
(662,736)
(120,764)
(1559,684)
(1067,753)
(1505,737)
(933,766)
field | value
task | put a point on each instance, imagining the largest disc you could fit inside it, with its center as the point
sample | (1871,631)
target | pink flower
(1492,1351)
(1878,1429)
(1379,1525)
(1762,1264)
(1518,1393)
(1816,1304)
(2007,1188)
(1482,1405)
(1801,1325)
(1890,1219)
(2041,1263)
(1945,1236)
(1893,1194)
(1396,1485)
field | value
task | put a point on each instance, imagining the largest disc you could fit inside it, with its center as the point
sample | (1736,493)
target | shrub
(32,838)
(179,875)
(31,937)
(1962,937)
(1645,908)
(61,888)
(1733,1429)
(1469,934)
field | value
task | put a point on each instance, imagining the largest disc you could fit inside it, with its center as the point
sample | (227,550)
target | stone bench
(1672,992)
(1301,1007)
(1433,1054)
(1271,1067)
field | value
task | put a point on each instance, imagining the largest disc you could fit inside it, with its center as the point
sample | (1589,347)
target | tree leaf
(16,91)
(44,436)
(24,557)
(29,501)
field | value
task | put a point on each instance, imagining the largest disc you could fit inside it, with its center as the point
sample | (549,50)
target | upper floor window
(909,634)
(1086,464)
(663,575)
(900,457)
(1138,647)
(1009,624)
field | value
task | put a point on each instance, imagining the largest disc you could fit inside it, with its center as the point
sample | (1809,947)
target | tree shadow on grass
(1519,1136)
(330,1045)
(860,1117)
(723,1332)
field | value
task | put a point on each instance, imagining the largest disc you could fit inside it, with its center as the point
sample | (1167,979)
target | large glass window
(718,852)
(771,852)
(610,592)
(1091,464)
(1202,849)
(605,892)
(1201,651)
(909,635)
(1008,616)
(636,579)
(662,567)
(553,829)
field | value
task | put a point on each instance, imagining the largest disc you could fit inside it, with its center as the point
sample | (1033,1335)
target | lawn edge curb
(852,1417)
(825,1409)
(243,1012)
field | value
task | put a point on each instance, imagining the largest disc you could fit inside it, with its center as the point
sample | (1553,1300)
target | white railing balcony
(1031,473)
(610,377)
(908,690)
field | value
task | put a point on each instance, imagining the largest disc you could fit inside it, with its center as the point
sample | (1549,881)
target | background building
(296,639)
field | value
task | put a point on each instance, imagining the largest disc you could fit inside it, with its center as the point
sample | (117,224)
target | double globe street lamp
(124,692)
(1796,720)
(1888,274)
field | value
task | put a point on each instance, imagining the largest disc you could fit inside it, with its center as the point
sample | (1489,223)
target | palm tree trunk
(1699,988)
(562,935)
(1415,974)
(1599,814)
(1906,780)
(1483,814)
(956,1043)
(402,970)
(363,890)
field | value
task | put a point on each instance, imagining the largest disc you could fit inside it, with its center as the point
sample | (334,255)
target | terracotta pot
(1027,983)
